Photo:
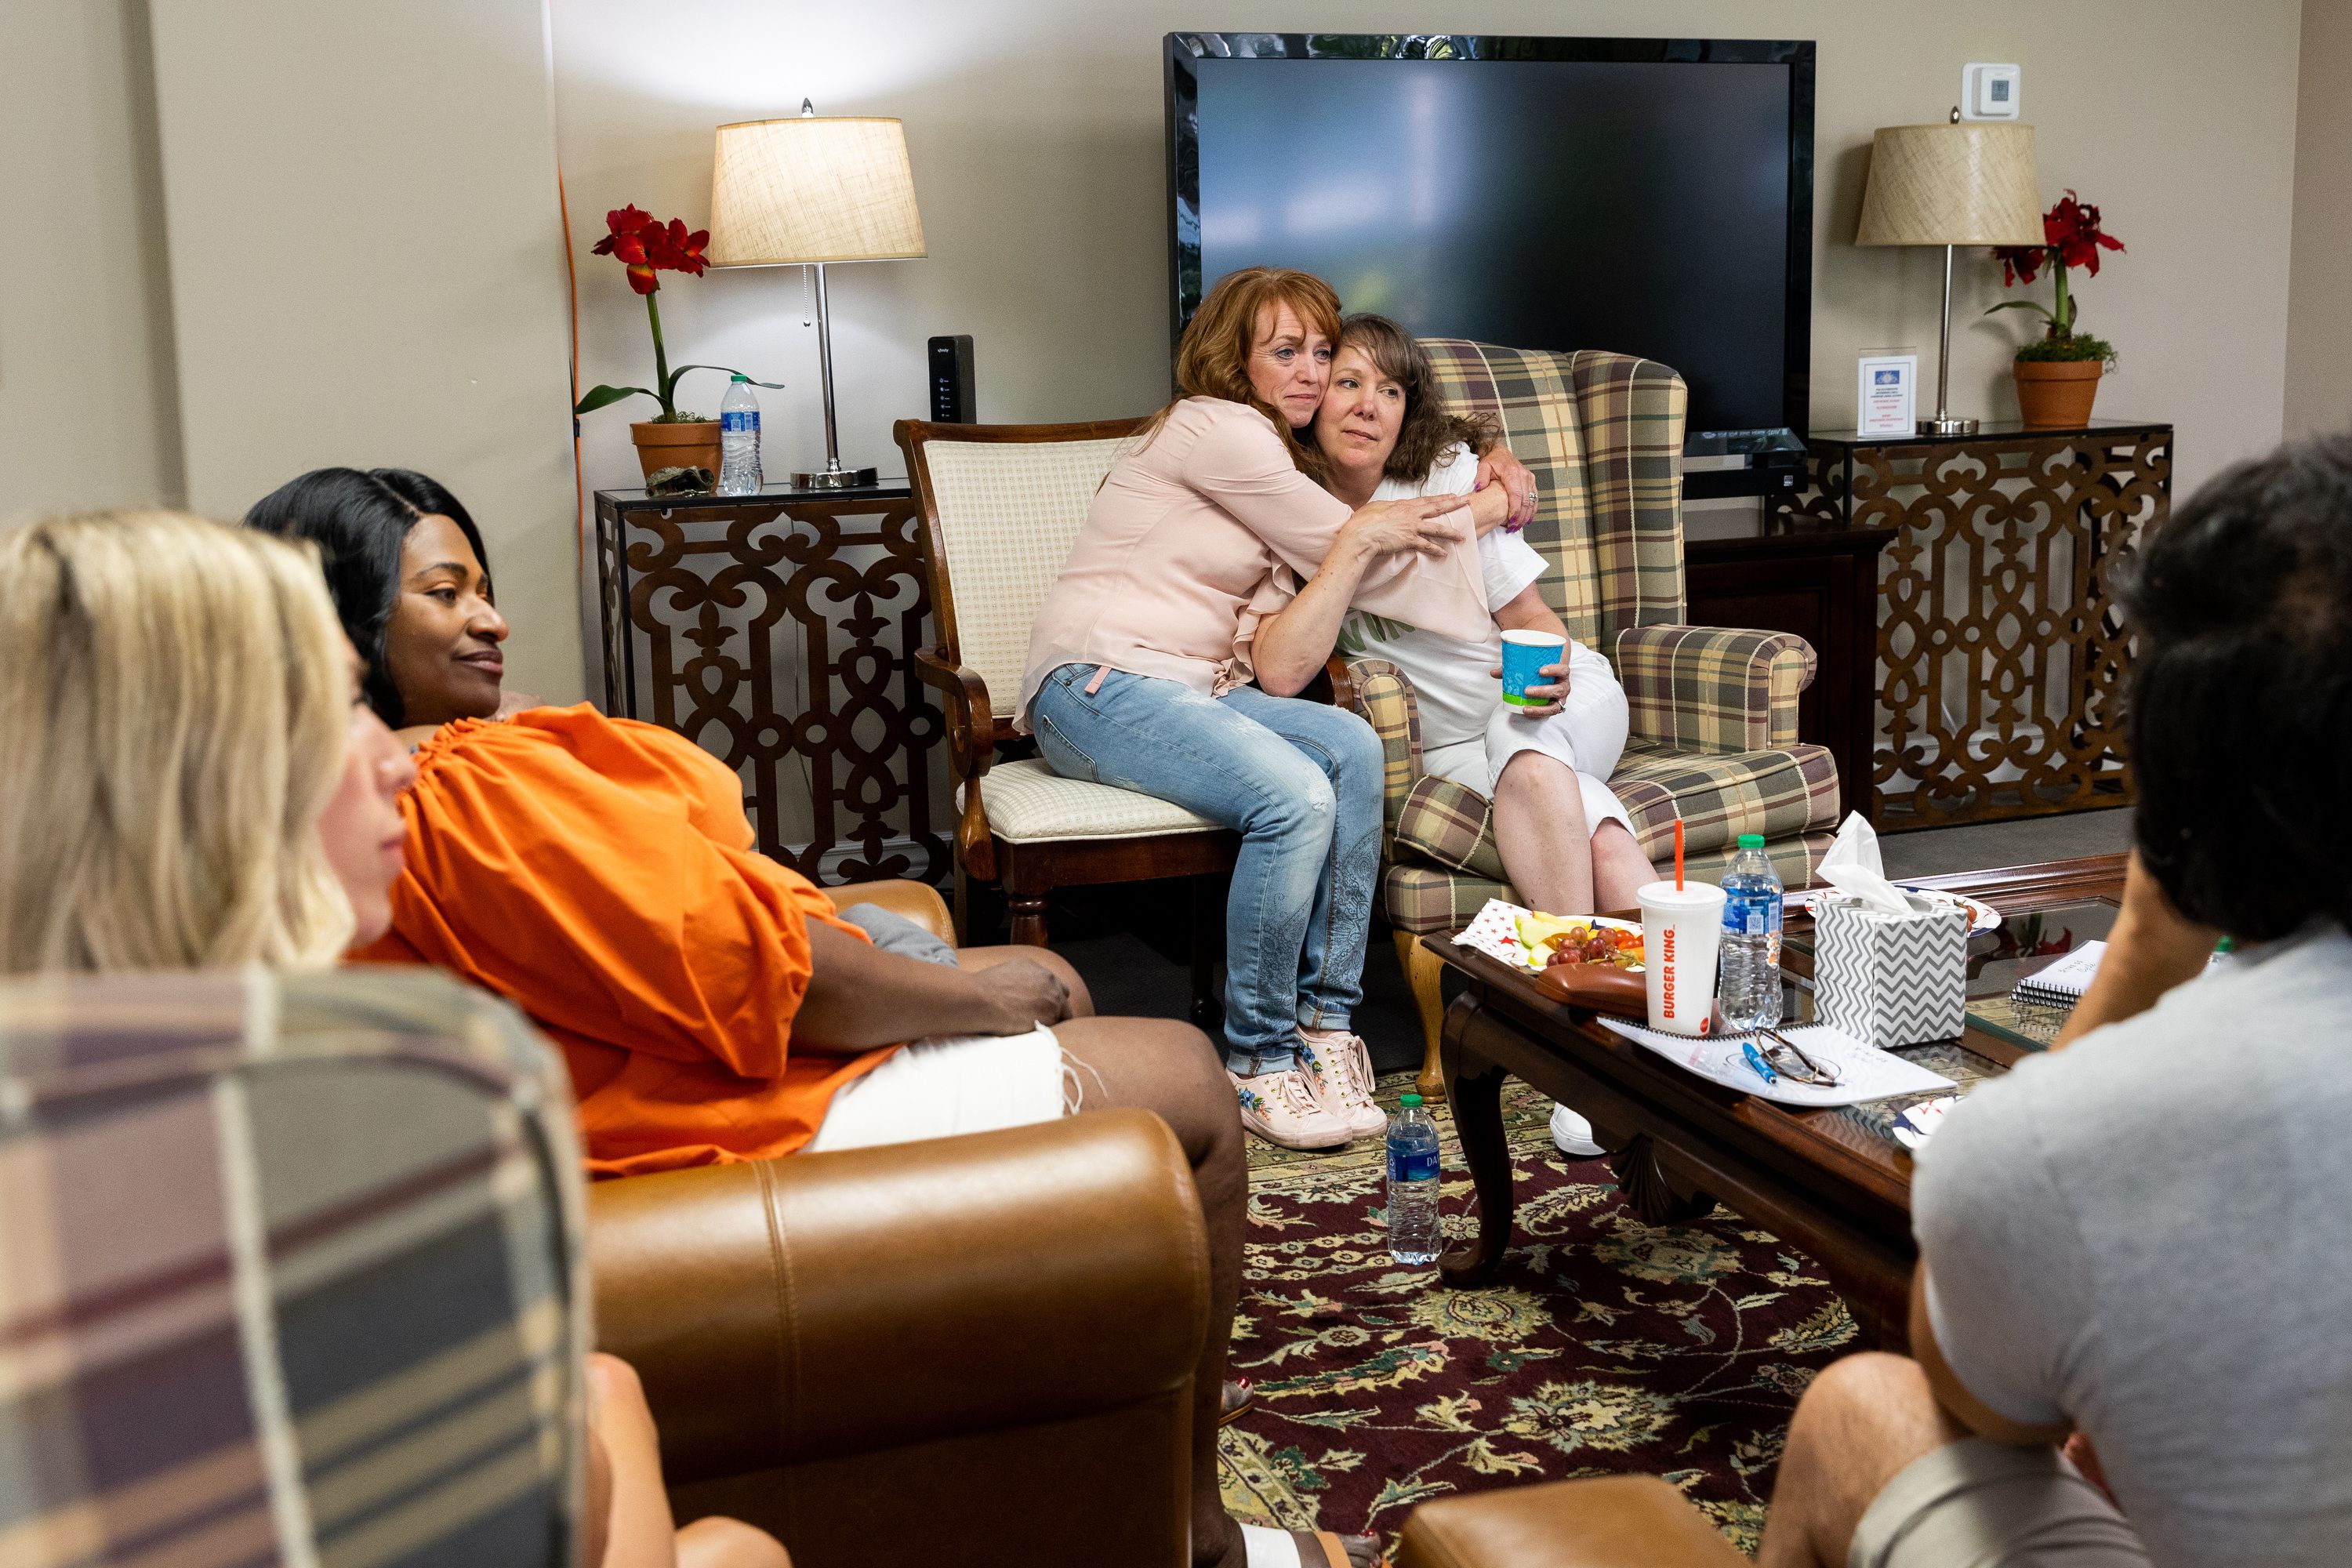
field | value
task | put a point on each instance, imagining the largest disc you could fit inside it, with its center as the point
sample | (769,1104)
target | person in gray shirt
(2140,1245)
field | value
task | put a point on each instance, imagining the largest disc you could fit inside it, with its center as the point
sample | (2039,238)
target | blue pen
(1756,1060)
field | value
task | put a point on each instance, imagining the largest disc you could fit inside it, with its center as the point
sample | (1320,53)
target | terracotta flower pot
(2054,394)
(688,443)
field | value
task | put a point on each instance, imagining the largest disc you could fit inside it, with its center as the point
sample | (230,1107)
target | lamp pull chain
(808,295)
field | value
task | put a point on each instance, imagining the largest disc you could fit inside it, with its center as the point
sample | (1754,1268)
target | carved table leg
(1648,1190)
(1474,1086)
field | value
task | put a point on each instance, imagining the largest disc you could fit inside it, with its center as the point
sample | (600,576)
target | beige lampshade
(1971,184)
(816,188)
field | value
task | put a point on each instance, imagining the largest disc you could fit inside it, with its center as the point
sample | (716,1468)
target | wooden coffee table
(1823,1181)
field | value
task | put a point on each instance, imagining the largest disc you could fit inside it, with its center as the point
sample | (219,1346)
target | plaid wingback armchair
(1714,710)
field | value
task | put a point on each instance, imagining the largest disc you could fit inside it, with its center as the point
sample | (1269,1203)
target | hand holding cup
(1527,658)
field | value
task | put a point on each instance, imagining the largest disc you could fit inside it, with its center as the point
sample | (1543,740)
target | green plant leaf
(602,396)
(674,375)
(2020,305)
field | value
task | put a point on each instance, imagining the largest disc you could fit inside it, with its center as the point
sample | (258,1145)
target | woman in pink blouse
(1172,600)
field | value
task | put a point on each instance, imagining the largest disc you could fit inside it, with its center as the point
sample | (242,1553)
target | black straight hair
(2242,695)
(359,520)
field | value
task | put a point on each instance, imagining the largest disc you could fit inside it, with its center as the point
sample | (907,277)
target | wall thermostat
(1989,92)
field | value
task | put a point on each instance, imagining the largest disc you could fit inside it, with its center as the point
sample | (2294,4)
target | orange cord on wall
(579,475)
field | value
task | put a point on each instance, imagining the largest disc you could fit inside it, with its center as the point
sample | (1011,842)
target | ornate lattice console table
(773,631)
(2002,658)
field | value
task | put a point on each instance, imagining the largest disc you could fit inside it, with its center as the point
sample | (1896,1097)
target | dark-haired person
(1142,658)
(396,539)
(1565,840)
(2143,1239)
(711,1007)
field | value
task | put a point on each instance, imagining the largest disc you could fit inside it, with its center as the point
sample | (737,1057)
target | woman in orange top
(711,1005)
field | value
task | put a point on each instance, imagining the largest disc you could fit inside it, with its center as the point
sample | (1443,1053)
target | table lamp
(1951,184)
(809,190)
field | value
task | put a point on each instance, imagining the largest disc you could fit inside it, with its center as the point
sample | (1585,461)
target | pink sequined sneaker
(1281,1108)
(1339,1069)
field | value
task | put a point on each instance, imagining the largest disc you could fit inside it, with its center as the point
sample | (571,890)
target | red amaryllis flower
(2071,236)
(634,233)
(677,249)
(648,247)
(2071,227)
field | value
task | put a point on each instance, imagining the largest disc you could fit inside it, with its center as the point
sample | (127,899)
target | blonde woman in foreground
(191,777)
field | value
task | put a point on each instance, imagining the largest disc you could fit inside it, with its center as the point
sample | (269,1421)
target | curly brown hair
(1429,427)
(1212,357)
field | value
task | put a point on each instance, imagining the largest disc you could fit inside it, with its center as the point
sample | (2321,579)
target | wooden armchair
(1002,504)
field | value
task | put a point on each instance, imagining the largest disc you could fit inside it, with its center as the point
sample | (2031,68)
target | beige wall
(89,413)
(1035,129)
(2319,304)
(367,269)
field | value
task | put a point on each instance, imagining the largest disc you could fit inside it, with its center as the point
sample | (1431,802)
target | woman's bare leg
(1539,828)
(717,1543)
(1619,869)
(1173,1069)
(626,1489)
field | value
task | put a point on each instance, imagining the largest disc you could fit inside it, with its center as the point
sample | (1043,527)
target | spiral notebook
(2063,984)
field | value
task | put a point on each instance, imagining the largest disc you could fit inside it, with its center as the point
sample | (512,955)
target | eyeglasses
(1778,1056)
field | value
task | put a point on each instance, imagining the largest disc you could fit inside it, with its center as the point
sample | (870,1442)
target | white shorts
(937,1088)
(1586,736)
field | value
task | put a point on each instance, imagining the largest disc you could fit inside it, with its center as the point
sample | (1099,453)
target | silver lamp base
(1948,426)
(834,479)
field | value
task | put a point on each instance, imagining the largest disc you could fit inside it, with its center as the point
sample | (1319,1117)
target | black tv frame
(1184,135)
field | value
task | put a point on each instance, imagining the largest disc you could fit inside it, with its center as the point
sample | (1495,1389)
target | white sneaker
(1572,1134)
(1338,1069)
(1280,1108)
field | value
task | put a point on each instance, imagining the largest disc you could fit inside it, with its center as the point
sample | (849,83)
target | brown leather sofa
(1613,1522)
(973,1351)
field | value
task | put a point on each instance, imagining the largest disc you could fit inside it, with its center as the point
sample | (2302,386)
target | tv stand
(1718,463)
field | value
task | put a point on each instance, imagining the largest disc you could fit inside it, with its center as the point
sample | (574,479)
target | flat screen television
(1644,194)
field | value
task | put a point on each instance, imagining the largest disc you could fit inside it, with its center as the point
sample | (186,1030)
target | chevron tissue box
(1892,980)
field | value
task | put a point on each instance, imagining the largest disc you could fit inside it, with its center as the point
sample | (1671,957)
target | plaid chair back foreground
(1602,433)
(290,1271)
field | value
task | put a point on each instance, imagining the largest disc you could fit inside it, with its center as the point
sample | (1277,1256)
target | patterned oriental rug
(1604,1346)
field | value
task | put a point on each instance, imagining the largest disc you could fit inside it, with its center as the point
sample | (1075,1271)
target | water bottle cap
(739,375)
(1751,841)
(1408,1100)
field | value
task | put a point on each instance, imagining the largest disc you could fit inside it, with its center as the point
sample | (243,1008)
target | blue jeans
(1299,780)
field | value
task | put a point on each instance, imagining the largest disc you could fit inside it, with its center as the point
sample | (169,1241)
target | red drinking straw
(1678,854)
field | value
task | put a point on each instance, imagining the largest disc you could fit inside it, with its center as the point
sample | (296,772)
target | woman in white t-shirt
(1566,841)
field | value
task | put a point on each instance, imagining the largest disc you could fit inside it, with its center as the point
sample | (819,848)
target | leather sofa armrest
(1614,1521)
(825,1305)
(914,900)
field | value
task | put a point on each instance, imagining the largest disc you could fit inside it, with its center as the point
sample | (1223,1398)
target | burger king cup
(1681,928)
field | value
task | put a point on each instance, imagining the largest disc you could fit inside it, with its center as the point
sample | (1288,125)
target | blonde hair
(1213,356)
(173,706)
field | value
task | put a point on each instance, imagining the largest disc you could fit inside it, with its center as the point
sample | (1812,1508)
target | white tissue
(1852,866)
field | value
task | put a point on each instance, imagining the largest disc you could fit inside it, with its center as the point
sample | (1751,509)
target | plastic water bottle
(1751,937)
(1412,1185)
(739,440)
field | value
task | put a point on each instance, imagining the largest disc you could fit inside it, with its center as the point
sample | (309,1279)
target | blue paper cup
(1524,656)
